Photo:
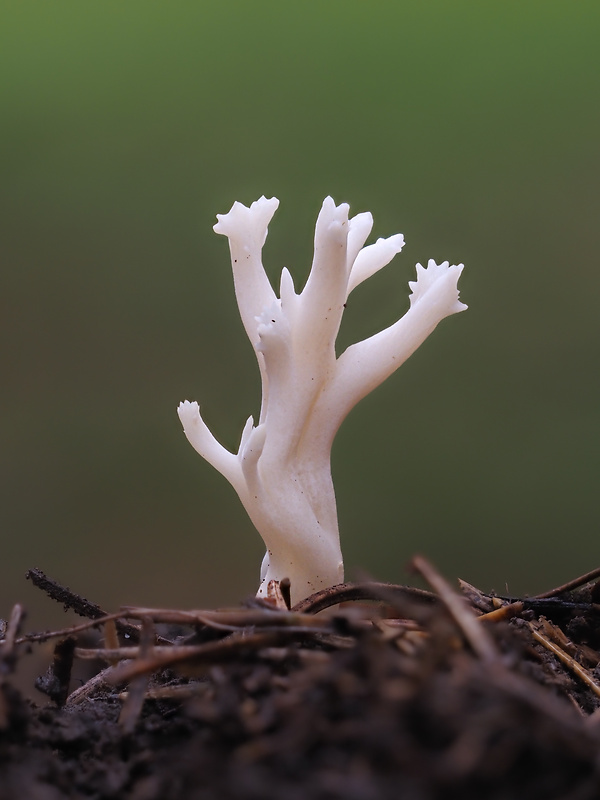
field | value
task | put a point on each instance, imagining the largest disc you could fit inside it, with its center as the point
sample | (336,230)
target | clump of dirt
(395,693)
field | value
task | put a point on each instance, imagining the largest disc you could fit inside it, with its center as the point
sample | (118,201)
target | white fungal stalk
(282,470)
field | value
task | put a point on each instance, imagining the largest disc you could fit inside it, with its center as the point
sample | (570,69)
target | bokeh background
(472,128)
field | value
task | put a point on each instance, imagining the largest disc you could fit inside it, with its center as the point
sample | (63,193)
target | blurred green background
(472,128)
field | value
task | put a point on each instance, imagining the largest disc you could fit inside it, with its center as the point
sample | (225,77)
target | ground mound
(397,692)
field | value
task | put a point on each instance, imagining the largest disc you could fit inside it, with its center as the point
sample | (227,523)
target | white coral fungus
(282,470)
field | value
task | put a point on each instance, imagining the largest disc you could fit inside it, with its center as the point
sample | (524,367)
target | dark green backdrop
(472,128)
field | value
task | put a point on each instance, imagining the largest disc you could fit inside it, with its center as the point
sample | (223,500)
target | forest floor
(364,692)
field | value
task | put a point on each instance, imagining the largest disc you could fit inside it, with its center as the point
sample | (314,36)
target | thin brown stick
(189,651)
(111,639)
(370,590)
(568,587)
(178,692)
(132,707)
(81,694)
(64,595)
(199,655)
(43,636)
(504,612)
(477,598)
(80,605)
(477,636)
(117,653)
(226,620)
(583,653)
(567,660)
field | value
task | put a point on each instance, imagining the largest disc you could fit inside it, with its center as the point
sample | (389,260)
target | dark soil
(406,696)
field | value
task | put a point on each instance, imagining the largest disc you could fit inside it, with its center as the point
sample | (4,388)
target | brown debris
(397,692)
(55,683)
(78,604)
(136,694)
(477,636)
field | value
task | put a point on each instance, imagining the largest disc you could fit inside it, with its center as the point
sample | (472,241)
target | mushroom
(282,469)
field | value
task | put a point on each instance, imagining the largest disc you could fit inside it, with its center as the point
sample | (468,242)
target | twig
(477,636)
(580,652)
(226,620)
(568,587)
(111,640)
(346,592)
(62,594)
(116,654)
(78,604)
(504,612)
(177,692)
(567,660)
(132,707)
(78,696)
(475,596)
(195,656)
(189,651)
(72,629)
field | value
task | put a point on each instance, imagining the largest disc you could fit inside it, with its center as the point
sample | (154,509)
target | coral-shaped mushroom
(282,470)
